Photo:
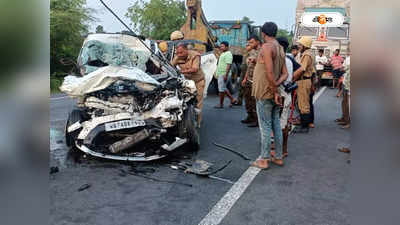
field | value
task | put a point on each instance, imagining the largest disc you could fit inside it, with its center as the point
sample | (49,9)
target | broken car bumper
(179,142)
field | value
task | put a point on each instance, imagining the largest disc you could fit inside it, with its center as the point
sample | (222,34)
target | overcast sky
(281,12)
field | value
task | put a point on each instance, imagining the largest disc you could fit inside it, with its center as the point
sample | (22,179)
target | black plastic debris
(231,150)
(84,187)
(54,169)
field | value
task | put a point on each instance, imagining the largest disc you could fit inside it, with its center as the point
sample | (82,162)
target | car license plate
(124,124)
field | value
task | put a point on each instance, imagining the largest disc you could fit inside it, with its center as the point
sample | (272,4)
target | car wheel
(188,128)
(73,117)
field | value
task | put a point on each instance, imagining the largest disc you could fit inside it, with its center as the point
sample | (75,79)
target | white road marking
(224,205)
(319,93)
(222,208)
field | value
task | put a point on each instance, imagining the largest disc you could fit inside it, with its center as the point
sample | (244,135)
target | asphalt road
(311,188)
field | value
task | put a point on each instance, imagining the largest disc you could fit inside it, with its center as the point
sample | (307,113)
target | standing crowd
(271,83)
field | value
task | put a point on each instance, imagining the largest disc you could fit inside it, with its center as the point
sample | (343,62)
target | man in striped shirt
(337,66)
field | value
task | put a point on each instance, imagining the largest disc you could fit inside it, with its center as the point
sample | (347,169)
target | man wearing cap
(304,82)
(269,73)
(177,35)
(188,62)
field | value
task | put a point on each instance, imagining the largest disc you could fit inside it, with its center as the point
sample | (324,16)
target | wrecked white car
(131,104)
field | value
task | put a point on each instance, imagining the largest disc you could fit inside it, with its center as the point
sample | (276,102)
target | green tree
(287,34)
(100,29)
(69,21)
(156,19)
(247,19)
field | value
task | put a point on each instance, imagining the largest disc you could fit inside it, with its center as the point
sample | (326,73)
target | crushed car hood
(103,78)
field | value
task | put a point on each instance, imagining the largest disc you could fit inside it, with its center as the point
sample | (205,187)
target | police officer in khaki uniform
(304,82)
(250,101)
(188,62)
(247,82)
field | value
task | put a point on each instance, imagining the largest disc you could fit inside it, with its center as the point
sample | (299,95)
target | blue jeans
(269,119)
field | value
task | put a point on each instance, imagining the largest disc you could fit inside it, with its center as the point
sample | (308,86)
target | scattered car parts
(202,168)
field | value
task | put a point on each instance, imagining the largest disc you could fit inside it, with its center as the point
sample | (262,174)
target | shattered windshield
(101,50)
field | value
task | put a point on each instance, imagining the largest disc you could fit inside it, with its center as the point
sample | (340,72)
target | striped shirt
(337,62)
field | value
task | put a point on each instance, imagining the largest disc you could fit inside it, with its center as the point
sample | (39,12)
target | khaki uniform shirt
(251,66)
(192,61)
(306,62)
(261,88)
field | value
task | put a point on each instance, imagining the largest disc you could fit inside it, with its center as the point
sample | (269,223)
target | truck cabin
(235,32)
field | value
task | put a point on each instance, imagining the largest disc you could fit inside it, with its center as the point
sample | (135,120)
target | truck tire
(188,129)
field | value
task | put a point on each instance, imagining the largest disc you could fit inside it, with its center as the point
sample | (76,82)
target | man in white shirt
(320,61)
(291,66)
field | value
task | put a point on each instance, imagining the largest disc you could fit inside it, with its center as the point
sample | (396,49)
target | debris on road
(54,169)
(198,167)
(202,168)
(231,150)
(84,187)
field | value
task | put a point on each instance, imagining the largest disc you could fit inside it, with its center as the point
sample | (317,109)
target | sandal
(278,162)
(344,150)
(260,164)
(347,126)
(235,102)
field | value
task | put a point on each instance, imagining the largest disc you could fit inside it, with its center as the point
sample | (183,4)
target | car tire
(188,128)
(73,117)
